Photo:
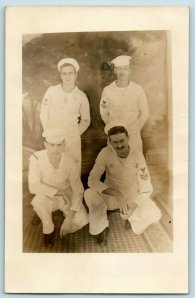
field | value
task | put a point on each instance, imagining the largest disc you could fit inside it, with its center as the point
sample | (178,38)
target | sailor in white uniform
(55,180)
(127,186)
(66,106)
(125,101)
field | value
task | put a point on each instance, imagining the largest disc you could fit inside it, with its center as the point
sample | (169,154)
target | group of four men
(54,173)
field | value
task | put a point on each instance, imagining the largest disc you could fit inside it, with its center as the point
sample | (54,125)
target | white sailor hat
(122,60)
(70,61)
(54,135)
(114,124)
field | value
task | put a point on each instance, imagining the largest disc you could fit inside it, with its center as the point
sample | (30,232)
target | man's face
(54,149)
(68,75)
(122,72)
(120,143)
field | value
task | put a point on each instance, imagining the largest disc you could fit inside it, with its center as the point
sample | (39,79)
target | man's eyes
(121,141)
(122,69)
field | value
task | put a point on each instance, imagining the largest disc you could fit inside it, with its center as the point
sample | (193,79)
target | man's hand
(66,226)
(132,207)
(120,198)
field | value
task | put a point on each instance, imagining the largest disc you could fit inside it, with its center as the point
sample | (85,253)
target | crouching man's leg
(144,215)
(74,220)
(98,221)
(43,206)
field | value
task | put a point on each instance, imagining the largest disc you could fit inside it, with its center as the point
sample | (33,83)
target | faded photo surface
(97,116)
(150,68)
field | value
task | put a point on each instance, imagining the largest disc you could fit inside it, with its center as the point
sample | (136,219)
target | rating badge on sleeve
(144,175)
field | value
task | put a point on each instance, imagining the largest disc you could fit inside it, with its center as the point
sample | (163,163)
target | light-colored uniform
(130,176)
(69,111)
(45,181)
(124,104)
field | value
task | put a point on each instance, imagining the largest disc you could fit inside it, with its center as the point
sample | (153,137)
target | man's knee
(39,202)
(92,197)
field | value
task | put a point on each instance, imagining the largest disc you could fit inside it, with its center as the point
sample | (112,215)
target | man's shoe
(102,238)
(49,239)
(35,220)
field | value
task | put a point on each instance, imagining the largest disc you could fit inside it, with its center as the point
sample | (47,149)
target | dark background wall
(149,68)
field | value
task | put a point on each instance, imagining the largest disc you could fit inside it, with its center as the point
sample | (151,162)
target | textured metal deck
(120,239)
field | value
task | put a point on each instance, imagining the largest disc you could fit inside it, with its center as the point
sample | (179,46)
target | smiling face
(120,143)
(123,74)
(68,75)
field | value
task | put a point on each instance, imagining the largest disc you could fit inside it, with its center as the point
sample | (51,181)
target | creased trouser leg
(144,215)
(97,211)
(44,206)
(80,218)
(73,149)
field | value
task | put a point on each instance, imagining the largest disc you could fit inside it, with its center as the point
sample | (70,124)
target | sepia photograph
(74,86)
(97,113)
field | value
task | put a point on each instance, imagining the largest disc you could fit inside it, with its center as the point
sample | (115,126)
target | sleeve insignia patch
(104,104)
(144,176)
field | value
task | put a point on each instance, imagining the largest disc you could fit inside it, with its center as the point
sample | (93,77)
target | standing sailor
(125,100)
(66,106)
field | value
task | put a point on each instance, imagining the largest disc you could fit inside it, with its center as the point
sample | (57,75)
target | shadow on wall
(149,68)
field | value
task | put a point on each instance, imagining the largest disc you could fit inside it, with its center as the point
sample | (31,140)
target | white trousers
(73,149)
(136,142)
(145,214)
(44,206)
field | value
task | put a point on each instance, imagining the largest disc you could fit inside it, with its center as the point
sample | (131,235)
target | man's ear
(109,143)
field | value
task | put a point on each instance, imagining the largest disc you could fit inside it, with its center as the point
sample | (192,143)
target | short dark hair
(117,129)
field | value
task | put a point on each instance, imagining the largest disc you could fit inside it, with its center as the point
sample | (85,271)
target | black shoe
(127,225)
(102,238)
(35,220)
(49,239)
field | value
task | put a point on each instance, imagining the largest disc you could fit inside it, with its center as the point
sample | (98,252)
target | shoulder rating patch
(144,175)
